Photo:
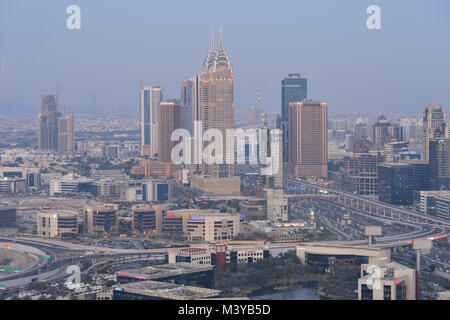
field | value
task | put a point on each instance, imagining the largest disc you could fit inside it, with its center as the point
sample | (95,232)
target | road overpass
(373,207)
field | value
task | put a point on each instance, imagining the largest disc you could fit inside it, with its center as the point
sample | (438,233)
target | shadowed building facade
(48,124)
(293,88)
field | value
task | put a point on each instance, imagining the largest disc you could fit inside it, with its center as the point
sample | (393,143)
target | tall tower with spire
(216,100)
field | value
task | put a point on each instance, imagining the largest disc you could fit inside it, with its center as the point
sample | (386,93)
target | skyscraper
(190,103)
(66,137)
(381,131)
(169,119)
(150,99)
(434,126)
(216,100)
(308,139)
(439,163)
(293,88)
(360,130)
(48,124)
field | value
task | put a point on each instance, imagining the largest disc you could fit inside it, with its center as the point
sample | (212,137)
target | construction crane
(261,110)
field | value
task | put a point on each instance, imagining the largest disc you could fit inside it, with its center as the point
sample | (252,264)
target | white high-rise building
(150,99)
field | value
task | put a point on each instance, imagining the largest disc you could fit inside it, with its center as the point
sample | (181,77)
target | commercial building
(156,190)
(57,224)
(277,205)
(217,102)
(445,295)
(30,174)
(147,219)
(190,103)
(112,151)
(169,119)
(308,139)
(293,88)
(102,219)
(254,209)
(439,160)
(388,281)
(360,131)
(217,186)
(434,126)
(146,190)
(66,135)
(400,183)
(48,124)
(246,254)
(381,132)
(13,185)
(72,184)
(175,221)
(179,273)
(108,188)
(214,226)
(7,217)
(359,174)
(435,203)
(150,98)
(394,185)
(155,290)
(327,254)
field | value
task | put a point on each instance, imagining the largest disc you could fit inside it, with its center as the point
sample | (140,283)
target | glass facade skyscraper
(150,99)
(48,124)
(293,88)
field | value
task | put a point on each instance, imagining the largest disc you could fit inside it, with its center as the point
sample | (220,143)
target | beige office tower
(216,102)
(150,99)
(308,139)
(101,219)
(434,126)
(169,119)
(66,135)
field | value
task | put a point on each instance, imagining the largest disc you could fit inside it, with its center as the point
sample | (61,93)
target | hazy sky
(403,66)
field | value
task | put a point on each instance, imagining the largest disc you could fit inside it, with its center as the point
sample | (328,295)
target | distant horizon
(404,66)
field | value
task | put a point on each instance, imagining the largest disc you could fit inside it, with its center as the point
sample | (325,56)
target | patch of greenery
(265,272)
(342,282)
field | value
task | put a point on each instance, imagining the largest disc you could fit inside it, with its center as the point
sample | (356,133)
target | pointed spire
(212,40)
(221,40)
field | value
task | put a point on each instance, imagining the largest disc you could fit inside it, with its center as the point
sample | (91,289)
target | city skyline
(102,77)
(252,150)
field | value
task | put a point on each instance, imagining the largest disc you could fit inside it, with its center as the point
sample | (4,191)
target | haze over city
(224,150)
(404,66)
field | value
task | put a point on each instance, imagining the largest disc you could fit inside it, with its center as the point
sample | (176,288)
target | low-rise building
(7,217)
(147,219)
(435,203)
(155,290)
(388,281)
(102,219)
(214,226)
(13,185)
(57,224)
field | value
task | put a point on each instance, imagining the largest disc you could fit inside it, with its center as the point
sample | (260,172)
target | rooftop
(167,290)
(163,271)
